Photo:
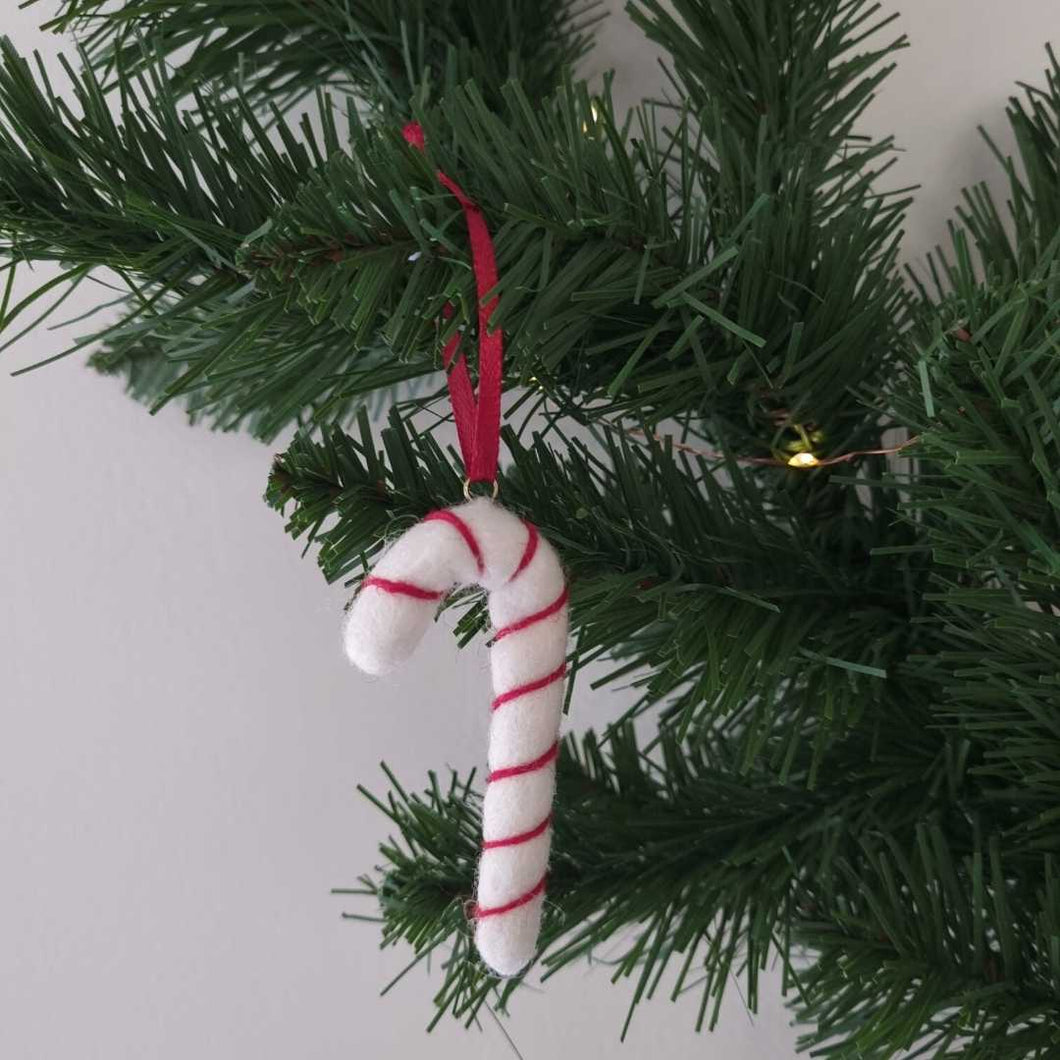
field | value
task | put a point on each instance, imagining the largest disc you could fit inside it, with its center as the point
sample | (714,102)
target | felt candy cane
(480,543)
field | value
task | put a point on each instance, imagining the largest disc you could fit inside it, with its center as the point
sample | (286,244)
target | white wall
(180,737)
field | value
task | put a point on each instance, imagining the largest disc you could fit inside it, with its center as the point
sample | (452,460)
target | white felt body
(384,628)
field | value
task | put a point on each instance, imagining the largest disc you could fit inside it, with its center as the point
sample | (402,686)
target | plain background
(180,737)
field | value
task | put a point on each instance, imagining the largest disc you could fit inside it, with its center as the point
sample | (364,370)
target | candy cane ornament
(480,543)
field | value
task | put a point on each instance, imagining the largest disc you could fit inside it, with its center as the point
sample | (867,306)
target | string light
(595,112)
(802,461)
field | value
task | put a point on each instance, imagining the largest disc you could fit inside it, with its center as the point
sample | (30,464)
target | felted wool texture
(523,729)
(383,629)
(515,805)
(527,606)
(502,869)
(494,935)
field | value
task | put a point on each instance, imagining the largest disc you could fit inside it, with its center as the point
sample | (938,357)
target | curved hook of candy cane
(480,543)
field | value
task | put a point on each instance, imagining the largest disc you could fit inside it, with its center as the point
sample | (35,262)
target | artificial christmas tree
(807,504)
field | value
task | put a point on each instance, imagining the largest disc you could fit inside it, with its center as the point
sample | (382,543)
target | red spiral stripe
(454,520)
(399,588)
(480,912)
(526,767)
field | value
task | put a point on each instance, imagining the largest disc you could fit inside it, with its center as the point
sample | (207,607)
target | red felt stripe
(399,588)
(454,520)
(526,767)
(529,551)
(523,899)
(515,840)
(538,616)
(532,686)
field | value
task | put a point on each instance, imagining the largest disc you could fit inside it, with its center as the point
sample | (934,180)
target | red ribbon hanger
(477,416)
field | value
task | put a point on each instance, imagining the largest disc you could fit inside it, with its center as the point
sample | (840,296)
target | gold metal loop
(468,495)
